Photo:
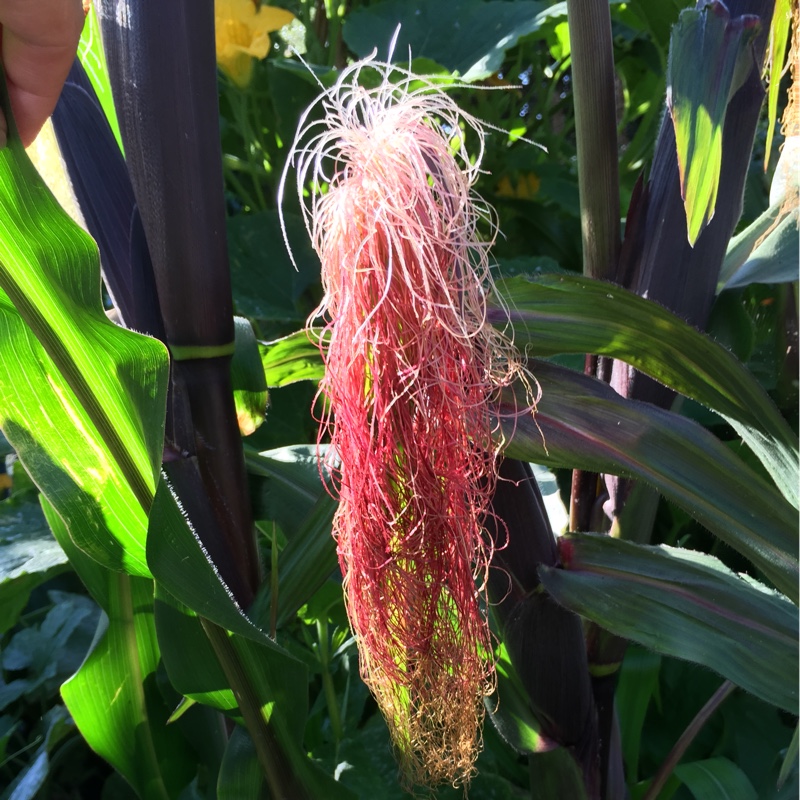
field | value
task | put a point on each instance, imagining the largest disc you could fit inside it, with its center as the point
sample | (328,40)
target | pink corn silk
(411,371)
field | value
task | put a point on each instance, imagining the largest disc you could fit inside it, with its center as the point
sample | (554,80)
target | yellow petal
(240,28)
(238,67)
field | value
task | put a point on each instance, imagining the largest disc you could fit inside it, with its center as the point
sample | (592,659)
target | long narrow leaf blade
(555,314)
(684,604)
(583,423)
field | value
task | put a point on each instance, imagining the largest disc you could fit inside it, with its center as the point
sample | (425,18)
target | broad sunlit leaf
(708,49)
(113,697)
(82,401)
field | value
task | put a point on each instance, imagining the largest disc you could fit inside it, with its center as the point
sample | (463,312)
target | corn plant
(223,664)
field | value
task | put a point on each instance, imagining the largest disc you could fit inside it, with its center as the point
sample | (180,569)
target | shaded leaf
(27,784)
(790,760)
(561,314)
(638,683)
(465,36)
(582,423)
(240,777)
(716,779)
(29,556)
(266,284)
(684,604)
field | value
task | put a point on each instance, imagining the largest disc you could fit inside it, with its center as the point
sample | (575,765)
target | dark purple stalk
(162,67)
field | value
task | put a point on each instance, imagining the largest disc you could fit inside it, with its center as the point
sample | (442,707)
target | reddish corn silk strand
(412,373)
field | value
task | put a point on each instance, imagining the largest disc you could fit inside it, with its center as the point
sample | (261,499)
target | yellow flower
(242,32)
(526,187)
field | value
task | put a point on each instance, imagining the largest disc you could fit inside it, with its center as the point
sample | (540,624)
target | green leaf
(240,777)
(776,58)
(301,505)
(638,684)
(82,401)
(465,36)
(265,681)
(266,284)
(774,260)
(684,604)
(29,556)
(554,314)
(707,52)
(716,779)
(582,423)
(93,58)
(113,697)
(247,375)
(294,358)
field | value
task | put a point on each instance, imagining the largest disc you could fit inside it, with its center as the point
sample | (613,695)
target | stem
(245,196)
(282,784)
(273,599)
(687,737)
(596,134)
(327,681)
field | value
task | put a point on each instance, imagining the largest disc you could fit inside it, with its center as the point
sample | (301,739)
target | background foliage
(91,599)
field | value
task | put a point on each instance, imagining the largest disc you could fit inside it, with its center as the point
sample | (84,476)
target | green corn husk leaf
(555,314)
(774,260)
(582,423)
(708,57)
(684,604)
(82,401)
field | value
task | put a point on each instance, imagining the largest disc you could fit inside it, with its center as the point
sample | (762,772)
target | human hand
(38,45)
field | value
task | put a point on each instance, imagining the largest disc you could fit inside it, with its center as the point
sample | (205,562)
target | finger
(39,41)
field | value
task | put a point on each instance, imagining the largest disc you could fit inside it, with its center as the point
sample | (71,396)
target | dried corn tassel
(412,370)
